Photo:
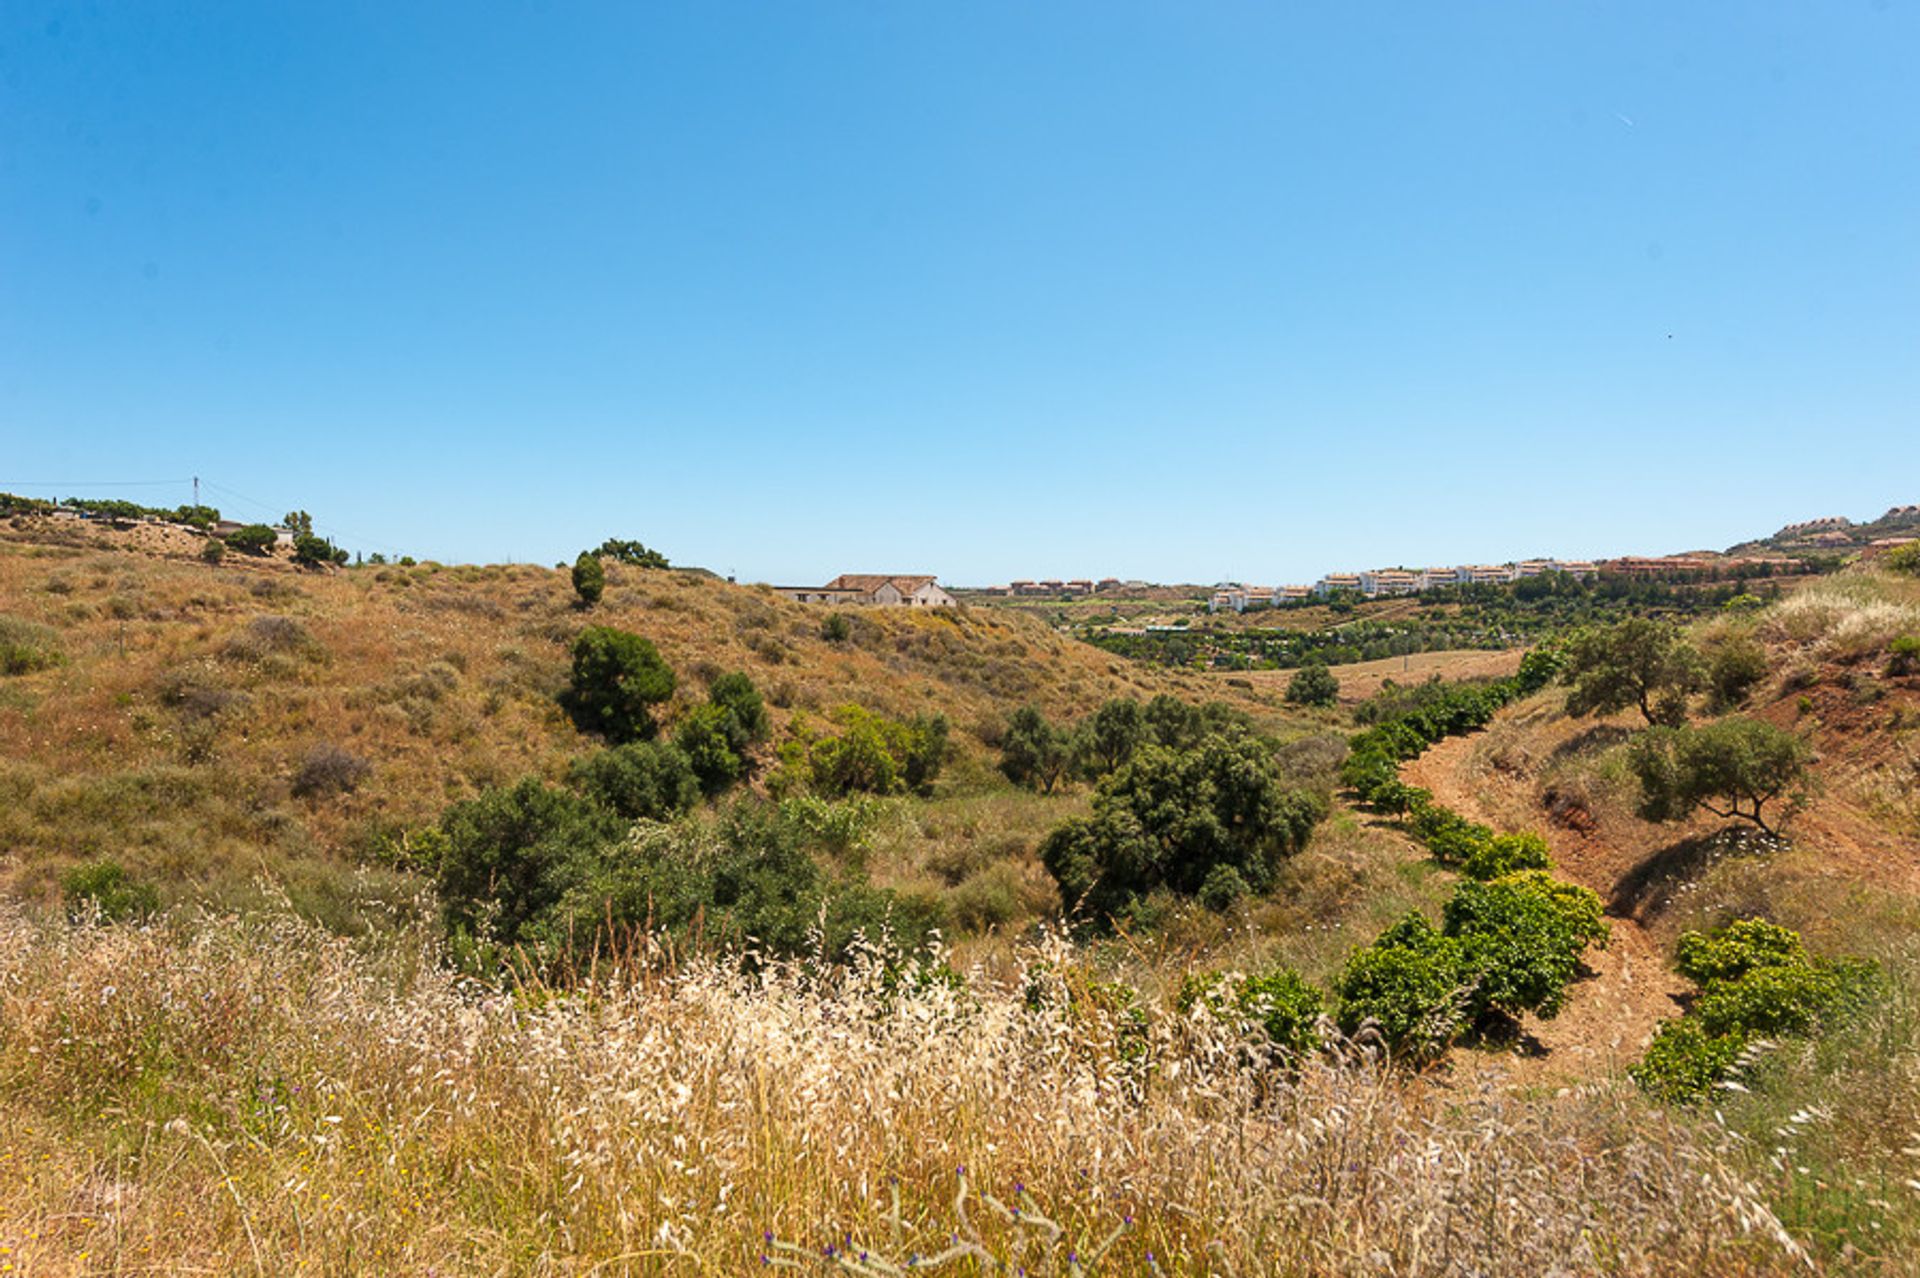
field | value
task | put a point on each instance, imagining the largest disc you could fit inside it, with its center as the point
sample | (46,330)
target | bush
(1730,952)
(310,551)
(1521,941)
(1735,668)
(1410,984)
(27,646)
(1684,1061)
(987,898)
(870,754)
(630,552)
(618,678)
(1775,999)
(1904,655)
(836,628)
(1032,752)
(1505,854)
(639,781)
(213,550)
(1169,818)
(589,579)
(1278,1003)
(1222,889)
(105,887)
(507,855)
(328,769)
(254,539)
(1904,559)
(1313,685)
(705,742)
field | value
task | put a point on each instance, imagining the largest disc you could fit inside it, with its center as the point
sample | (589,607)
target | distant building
(1389,581)
(879,589)
(1337,581)
(1881,545)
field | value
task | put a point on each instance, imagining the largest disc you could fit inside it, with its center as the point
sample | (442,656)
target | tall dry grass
(256,1096)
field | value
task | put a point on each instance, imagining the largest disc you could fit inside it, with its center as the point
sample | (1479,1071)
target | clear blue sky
(1180,291)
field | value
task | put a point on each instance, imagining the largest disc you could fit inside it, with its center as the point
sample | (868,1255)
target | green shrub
(1904,559)
(630,552)
(327,769)
(870,754)
(106,887)
(213,550)
(310,551)
(1729,953)
(27,646)
(1735,667)
(507,856)
(987,898)
(1222,889)
(589,578)
(1278,1002)
(1411,984)
(1506,854)
(639,781)
(1684,1061)
(1903,655)
(1313,685)
(1521,942)
(618,678)
(1779,999)
(836,628)
(1732,768)
(1451,838)
(254,539)
(1032,752)
(1169,818)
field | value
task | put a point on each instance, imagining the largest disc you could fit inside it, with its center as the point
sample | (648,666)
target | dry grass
(173,737)
(257,1096)
(1846,617)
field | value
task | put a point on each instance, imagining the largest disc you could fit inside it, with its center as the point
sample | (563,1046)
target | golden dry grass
(260,1097)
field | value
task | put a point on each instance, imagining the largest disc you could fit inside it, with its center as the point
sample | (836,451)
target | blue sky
(1187,292)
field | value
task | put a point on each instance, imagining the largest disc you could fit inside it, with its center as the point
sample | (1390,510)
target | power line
(94,483)
(332,530)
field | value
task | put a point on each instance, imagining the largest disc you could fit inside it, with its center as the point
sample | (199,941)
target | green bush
(1222,889)
(1169,818)
(1904,559)
(1729,953)
(1410,984)
(1313,685)
(1684,1061)
(254,539)
(1735,667)
(638,781)
(106,887)
(1779,999)
(870,754)
(630,552)
(589,578)
(1506,854)
(1278,1002)
(508,854)
(1903,655)
(310,551)
(27,646)
(1451,838)
(836,628)
(1032,752)
(1732,768)
(1521,942)
(618,678)
(213,550)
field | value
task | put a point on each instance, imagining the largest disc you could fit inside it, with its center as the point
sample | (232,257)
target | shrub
(27,646)
(1735,668)
(589,579)
(105,887)
(1222,889)
(705,743)
(1410,984)
(1522,942)
(1730,952)
(836,628)
(1032,752)
(507,853)
(987,898)
(254,539)
(1684,1061)
(1904,559)
(310,551)
(1168,818)
(640,781)
(1451,838)
(1775,998)
(1313,685)
(618,678)
(1505,854)
(870,754)
(1278,1003)
(327,769)
(271,635)
(1904,655)
(213,550)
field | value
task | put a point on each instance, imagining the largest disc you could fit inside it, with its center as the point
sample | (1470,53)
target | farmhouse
(892,590)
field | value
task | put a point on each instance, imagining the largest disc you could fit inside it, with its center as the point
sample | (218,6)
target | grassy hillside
(181,703)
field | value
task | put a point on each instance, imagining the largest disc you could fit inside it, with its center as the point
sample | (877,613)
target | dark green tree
(507,854)
(1033,753)
(1637,664)
(719,736)
(589,578)
(631,553)
(298,522)
(254,539)
(618,678)
(1115,732)
(639,781)
(1313,685)
(310,551)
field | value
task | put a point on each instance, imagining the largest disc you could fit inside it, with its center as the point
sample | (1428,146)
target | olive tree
(1313,685)
(1638,664)
(1732,768)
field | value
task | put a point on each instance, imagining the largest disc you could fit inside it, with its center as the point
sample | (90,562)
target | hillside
(172,733)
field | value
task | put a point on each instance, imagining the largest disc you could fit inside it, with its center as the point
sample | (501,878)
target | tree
(1639,664)
(618,678)
(1033,753)
(1735,666)
(298,522)
(1731,768)
(632,553)
(316,552)
(1116,731)
(717,736)
(506,855)
(254,539)
(1314,685)
(589,579)
(640,781)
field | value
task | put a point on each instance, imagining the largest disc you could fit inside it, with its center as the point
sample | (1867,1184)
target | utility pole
(196,490)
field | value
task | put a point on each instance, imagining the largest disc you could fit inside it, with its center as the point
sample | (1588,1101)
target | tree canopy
(1637,664)
(618,678)
(1732,768)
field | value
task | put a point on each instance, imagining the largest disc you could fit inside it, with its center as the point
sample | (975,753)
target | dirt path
(1610,1016)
